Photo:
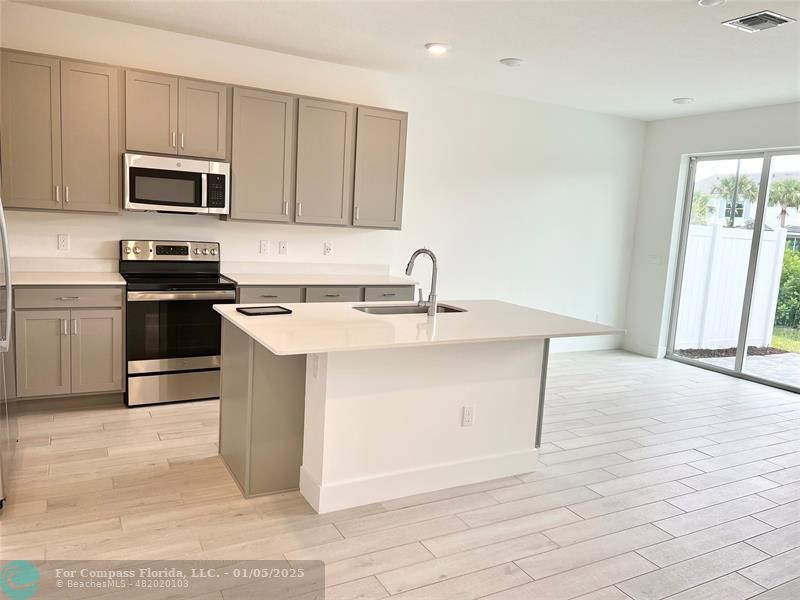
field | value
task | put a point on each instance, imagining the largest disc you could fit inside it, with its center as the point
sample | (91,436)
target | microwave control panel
(216,191)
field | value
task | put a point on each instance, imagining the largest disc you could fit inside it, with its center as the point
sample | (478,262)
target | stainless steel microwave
(173,184)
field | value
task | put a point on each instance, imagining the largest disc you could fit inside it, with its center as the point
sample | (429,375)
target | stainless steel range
(172,331)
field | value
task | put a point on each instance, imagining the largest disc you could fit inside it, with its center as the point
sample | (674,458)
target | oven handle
(161,296)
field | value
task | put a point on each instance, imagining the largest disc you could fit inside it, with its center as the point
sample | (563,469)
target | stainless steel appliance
(8,429)
(174,184)
(172,332)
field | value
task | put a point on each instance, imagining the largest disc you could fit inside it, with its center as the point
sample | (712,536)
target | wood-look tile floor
(657,480)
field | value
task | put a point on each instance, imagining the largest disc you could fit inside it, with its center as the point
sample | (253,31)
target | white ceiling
(625,57)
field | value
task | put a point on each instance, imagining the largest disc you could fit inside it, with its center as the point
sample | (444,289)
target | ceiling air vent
(759,21)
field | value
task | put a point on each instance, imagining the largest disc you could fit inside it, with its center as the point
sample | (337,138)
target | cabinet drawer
(403,292)
(334,294)
(67,297)
(248,295)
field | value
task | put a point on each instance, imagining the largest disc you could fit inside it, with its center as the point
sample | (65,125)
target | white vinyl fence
(714,274)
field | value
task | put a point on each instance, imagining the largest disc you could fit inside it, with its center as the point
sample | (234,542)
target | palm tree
(701,208)
(727,188)
(786,194)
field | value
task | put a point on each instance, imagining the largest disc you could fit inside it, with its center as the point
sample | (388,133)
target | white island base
(375,419)
(386,424)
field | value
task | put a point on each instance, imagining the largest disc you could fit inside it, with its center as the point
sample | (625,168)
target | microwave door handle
(203,191)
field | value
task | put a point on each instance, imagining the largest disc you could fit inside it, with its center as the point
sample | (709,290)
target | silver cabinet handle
(286,208)
(58,195)
(182,140)
(174,144)
(332,295)
(299,209)
(74,326)
(65,327)
(357,212)
(268,296)
(66,298)
(66,193)
(388,294)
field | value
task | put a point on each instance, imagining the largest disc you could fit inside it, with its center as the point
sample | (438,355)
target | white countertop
(316,279)
(22,278)
(337,327)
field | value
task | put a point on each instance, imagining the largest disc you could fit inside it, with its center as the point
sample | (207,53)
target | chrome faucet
(431,303)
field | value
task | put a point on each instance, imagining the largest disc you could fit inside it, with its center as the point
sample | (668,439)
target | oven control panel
(169,250)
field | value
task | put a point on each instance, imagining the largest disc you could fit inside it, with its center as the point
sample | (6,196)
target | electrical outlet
(63,242)
(263,247)
(467,416)
(327,249)
(283,247)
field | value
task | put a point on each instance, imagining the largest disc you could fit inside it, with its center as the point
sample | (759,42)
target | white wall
(524,202)
(668,144)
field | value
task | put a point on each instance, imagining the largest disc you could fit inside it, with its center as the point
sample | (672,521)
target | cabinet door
(42,352)
(151,112)
(202,114)
(31,127)
(90,137)
(262,156)
(380,166)
(96,350)
(324,162)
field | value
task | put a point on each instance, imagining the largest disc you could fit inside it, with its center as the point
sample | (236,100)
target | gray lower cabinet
(262,155)
(31,125)
(60,146)
(42,343)
(324,190)
(388,293)
(96,350)
(379,168)
(334,294)
(61,352)
(271,294)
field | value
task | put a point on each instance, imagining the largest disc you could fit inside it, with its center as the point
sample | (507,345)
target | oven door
(165,184)
(173,331)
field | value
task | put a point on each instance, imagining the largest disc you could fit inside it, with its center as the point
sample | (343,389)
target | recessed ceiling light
(683,100)
(437,48)
(710,3)
(511,62)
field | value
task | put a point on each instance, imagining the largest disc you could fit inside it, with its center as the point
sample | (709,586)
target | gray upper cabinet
(151,112)
(202,118)
(31,131)
(379,168)
(262,155)
(42,352)
(96,350)
(168,115)
(325,133)
(90,137)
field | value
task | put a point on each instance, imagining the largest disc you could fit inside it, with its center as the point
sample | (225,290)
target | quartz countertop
(337,327)
(316,279)
(66,278)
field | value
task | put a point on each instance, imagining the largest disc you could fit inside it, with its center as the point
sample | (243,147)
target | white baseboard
(388,486)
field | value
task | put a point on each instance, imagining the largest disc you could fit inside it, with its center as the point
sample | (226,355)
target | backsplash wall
(521,201)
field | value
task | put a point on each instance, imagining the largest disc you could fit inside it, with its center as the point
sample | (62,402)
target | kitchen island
(355,407)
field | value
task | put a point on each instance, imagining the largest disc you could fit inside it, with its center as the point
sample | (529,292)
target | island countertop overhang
(315,328)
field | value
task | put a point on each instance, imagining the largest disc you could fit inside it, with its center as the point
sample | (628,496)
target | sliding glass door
(737,295)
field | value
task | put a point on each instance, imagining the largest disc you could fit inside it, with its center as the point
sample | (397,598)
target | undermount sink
(406,309)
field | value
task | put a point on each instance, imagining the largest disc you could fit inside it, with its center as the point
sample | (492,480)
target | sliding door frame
(752,267)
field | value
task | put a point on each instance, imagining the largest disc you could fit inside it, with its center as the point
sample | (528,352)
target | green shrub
(788,313)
